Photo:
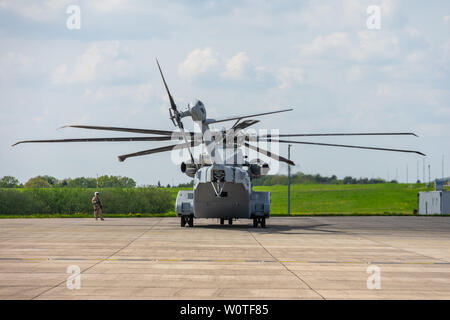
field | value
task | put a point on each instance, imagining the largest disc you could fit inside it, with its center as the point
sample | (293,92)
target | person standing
(98,206)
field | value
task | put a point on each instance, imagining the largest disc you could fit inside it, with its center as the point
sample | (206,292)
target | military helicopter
(222,186)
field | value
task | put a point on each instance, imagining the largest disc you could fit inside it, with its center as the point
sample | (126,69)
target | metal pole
(423,170)
(289,181)
(429,174)
(417,181)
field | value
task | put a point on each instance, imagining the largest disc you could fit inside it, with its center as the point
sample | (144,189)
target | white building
(434,202)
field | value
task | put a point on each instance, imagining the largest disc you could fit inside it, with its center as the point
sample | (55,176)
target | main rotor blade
(346,146)
(269,154)
(146,131)
(157,150)
(119,139)
(172,102)
(174,108)
(341,134)
(244,124)
(209,121)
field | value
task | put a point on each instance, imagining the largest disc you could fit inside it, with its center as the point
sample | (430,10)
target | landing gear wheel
(230,221)
(222,221)
(191,221)
(255,222)
(183,221)
(263,222)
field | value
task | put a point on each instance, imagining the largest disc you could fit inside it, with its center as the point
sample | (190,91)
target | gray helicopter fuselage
(231,197)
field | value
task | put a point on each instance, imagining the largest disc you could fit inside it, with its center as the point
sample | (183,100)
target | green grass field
(309,199)
(345,199)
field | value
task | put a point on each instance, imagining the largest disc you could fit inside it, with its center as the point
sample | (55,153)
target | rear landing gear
(230,221)
(259,220)
(187,219)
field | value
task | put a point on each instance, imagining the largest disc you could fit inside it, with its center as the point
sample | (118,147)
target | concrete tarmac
(293,258)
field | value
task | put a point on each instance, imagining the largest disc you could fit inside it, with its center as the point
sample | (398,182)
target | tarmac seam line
(100,261)
(289,270)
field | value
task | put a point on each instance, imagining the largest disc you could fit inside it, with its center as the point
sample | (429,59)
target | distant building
(435,202)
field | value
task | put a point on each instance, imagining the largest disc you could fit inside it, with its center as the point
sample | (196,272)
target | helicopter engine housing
(257,170)
(189,169)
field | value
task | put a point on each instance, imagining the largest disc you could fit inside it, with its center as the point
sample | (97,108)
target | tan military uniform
(98,207)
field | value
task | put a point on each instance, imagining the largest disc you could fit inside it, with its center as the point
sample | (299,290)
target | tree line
(302,178)
(106,181)
(47,181)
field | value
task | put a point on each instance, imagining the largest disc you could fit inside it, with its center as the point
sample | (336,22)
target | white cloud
(48,10)
(16,60)
(107,6)
(290,76)
(415,57)
(59,75)
(15,65)
(354,73)
(362,46)
(209,62)
(336,16)
(446,19)
(387,8)
(376,46)
(313,16)
(198,62)
(237,66)
(85,68)
(36,10)
(102,61)
(446,51)
(138,94)
(323,44)
(413,32)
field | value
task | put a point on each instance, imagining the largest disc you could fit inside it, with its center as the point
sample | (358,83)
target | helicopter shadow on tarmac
(311,228)
(276,228)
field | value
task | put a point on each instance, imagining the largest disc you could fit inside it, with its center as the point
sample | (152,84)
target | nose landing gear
(230,221)
(187,219)
(259,220)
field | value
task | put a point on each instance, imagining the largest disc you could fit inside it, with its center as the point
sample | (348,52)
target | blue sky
(238,57)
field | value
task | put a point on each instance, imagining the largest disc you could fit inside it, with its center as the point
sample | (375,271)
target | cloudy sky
(318,57)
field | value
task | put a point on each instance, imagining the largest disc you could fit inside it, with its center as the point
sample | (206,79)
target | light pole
(407,174)
(424,171)
(429,175)
(289,181)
